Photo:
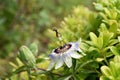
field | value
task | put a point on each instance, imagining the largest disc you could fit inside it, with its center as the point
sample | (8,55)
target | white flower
(64,54)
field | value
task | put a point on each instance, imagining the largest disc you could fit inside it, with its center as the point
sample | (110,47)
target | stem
(50,72)
(74,65)
(61,41)
(105,59)
(29,73)
(104,56)
(84,64)
(23,70)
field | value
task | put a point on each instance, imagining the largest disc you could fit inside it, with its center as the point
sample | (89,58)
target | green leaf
(117,59)
(115,50)
(113,27)
(106,37)
(103,28)
(65,77)
(93,37)
(107,11)
(112,42)
(98,6)
(106,71)
(105,34)
(104,78)
(113,68)
(92,49)
(100,42)
(20,69)
(119,38)
(99,59)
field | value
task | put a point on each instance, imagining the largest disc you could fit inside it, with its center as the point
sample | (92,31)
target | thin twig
(33,69)
(49,71)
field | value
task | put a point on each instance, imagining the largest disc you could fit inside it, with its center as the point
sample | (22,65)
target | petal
(75,55)
(67,59)
(78,49)
(83,53)
(59,62)
(51,65)
(53,56)
(75,46)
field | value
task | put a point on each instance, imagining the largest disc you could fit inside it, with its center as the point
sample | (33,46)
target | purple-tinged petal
(75,46)
(67,59)
(59,62)
(53,56)
(75,55)
(51,65)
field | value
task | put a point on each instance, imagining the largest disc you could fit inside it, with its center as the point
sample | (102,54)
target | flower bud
(26,56)
(34,48)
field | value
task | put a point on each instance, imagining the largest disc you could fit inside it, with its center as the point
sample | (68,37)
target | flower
(64,54)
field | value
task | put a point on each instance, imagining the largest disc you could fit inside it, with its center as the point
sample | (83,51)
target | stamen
(63,48)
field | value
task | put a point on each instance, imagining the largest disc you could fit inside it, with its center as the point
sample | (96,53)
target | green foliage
(79,23)
(111,72)
(110,12)
(100,42)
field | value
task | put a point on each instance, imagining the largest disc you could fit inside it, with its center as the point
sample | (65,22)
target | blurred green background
(23,21)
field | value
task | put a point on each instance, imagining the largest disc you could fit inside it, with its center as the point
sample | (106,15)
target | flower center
(63,48)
